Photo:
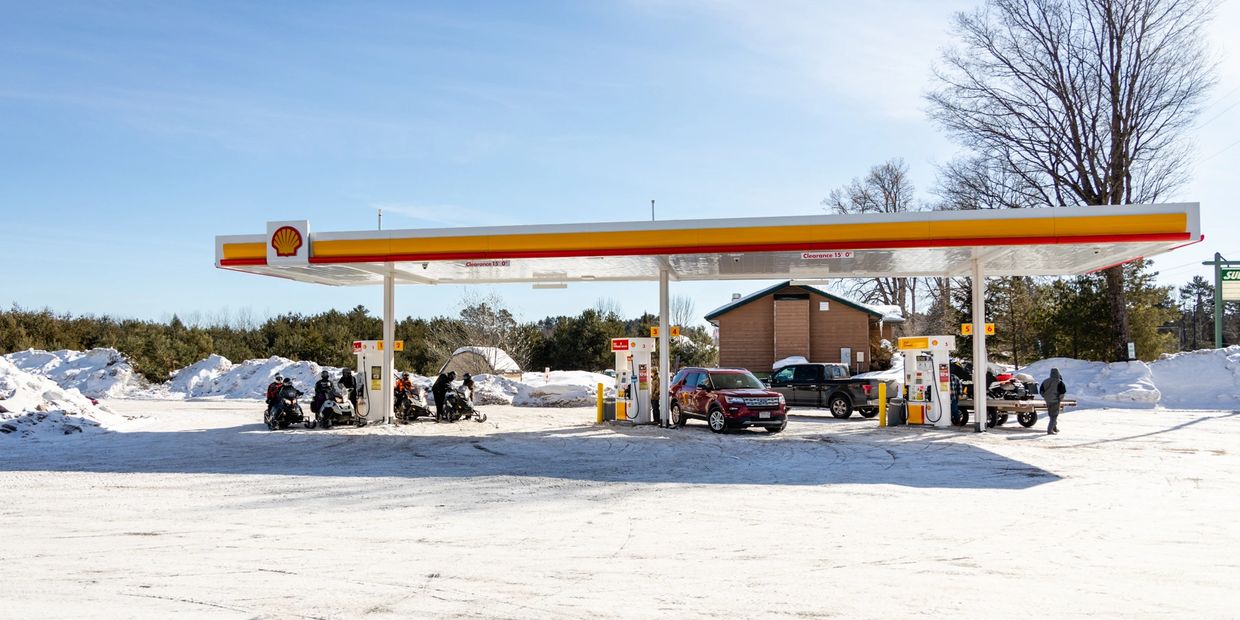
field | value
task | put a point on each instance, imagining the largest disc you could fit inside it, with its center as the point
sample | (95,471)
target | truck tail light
(867,387)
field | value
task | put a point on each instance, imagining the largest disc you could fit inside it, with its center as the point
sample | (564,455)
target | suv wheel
(676,417)
(717,422)
(840,407)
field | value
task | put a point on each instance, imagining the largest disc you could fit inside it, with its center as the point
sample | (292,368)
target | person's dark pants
(439,398)
(1052,412)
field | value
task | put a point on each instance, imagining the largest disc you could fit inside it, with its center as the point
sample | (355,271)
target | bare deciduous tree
(885,189)
(608,306)
(1081,101)
(681,310)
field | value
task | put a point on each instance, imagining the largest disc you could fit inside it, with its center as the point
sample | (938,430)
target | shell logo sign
(286,241)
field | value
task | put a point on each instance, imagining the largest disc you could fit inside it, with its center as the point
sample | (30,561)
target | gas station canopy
(977,244)
(1051,241)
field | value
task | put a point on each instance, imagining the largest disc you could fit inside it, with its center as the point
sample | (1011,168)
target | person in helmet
(287,392)
(323,390)
(348,385)
(403,391)
(467,382)
(273,390)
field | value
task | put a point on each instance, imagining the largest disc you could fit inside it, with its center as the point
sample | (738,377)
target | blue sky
(132,133)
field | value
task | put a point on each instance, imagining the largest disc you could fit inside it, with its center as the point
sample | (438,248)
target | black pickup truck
(826,385)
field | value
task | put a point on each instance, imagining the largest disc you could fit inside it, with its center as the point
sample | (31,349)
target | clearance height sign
(1230,279)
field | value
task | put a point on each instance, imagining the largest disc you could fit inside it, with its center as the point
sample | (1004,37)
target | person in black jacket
(348,385)
(286,391)
(1052,391)
(323,390)
(440,391)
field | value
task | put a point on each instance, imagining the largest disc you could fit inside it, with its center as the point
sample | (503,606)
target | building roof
(874,312)
(1049,241)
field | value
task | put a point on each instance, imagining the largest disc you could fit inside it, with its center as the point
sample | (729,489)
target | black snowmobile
(457,406)
(411,405)
(287,411)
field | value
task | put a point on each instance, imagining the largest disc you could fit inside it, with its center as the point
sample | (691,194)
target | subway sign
(1231,284)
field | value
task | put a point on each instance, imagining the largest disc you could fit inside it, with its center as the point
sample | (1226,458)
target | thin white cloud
(876,55)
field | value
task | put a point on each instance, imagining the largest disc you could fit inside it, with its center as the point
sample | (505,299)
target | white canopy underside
(1059,259)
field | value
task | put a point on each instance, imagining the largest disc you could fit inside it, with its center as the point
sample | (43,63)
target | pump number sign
(966,329)
(1231,284)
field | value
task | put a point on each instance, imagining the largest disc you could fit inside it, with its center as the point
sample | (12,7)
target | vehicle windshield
(734,381)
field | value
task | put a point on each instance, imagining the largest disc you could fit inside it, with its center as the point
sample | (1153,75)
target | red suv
(726,398)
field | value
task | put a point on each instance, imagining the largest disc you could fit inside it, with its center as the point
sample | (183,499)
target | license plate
(764,415)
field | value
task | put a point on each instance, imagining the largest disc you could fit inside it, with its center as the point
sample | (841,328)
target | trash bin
(609,409)
(896,416)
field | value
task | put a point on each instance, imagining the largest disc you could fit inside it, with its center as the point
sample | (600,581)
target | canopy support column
(389,341)
(664,352)
(979,347)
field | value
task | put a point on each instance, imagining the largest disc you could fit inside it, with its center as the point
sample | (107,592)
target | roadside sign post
(1226,288)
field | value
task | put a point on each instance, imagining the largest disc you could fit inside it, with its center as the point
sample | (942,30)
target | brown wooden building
(792,319)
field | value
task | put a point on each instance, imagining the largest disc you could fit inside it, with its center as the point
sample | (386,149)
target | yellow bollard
(599,419)
(882,403)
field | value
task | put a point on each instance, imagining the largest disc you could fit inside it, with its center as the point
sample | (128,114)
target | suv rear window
(735,380)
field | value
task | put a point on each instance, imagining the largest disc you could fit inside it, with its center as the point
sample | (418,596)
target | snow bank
(1206,379)
(218,377)
(1126,384)
(33,406)
(562,388)
(494,390)
(97,373)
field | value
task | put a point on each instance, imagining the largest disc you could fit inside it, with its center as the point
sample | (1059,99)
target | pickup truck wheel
(1027,419)
(868,413)
(675,417)
(840,407)
(716,420)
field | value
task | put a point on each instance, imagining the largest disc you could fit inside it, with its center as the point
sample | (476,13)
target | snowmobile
(1009,386)
(457,406)
(411,406)
(286,412)
(338,409)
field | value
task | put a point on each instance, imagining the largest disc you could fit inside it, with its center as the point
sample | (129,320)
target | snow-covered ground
(538,513)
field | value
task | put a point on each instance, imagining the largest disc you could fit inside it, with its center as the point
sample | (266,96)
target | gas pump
(374,391)
(633,378)
(927,378)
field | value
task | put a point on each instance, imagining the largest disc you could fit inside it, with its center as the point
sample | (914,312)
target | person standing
(1052,390)
(440,391)
(957,386)
(349,386)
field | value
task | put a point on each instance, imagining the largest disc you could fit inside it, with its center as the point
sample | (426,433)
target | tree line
(158,348)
